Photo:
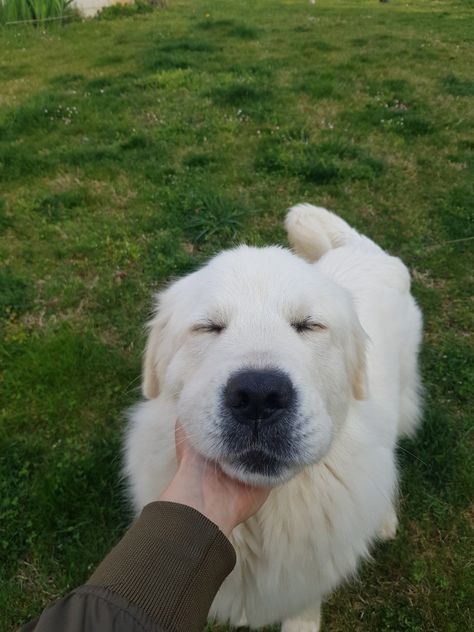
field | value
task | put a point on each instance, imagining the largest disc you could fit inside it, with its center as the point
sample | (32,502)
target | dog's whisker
(400,447)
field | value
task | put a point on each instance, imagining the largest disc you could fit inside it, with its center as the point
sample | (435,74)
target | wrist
(221,516)
(223,520)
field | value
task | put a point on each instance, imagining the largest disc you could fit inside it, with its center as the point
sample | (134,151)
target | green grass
(130,150)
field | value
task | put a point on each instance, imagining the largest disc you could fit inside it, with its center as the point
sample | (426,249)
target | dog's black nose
(259,396)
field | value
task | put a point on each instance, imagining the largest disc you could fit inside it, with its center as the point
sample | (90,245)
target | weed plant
(37,12)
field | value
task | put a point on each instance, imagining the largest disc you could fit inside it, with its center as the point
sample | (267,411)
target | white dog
(293,371)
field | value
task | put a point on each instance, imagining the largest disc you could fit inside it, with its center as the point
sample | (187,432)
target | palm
(202,484)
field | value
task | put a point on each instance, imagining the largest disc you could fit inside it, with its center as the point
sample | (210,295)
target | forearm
(162,575)
(170,564)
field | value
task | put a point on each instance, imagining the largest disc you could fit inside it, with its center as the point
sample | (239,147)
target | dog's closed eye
(307,324)
(209,326)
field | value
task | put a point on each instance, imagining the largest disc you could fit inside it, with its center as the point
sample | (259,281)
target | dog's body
(351,397)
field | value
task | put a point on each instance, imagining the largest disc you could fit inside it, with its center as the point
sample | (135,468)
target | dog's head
(262,354)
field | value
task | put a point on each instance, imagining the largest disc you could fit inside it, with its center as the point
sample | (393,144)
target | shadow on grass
(240,93)
(457,87)
(16,294)
(321,85)
(393,117)
(6,221)
(229,28)
(320,164)
(56,207)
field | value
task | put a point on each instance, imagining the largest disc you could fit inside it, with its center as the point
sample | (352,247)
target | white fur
(358,393)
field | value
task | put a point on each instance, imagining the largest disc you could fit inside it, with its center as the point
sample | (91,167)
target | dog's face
(262,354)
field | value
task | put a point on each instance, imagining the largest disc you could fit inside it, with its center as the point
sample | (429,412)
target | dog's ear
(156,352)
(166,332)
(150,384)
(356,361)
(357,368)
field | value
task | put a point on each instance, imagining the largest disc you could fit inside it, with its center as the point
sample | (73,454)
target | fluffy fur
(358,391)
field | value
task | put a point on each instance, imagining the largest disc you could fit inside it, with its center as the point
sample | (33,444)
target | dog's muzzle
(257,410)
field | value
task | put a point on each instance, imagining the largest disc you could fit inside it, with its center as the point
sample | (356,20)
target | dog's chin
(258,468)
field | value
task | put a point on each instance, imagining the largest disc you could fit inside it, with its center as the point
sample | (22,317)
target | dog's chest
(307,538)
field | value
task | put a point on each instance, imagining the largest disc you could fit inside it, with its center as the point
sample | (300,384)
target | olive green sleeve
(170,564)
(161,577)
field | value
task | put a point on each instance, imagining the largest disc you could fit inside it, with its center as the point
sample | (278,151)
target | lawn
(131,149)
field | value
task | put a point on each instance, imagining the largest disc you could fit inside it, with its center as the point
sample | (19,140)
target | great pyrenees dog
(294,369)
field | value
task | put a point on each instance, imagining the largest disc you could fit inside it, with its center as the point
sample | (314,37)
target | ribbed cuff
(170,564)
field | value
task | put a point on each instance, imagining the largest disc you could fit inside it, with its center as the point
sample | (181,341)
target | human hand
(202,484)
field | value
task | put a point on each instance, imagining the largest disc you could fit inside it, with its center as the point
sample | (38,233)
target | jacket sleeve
(161,577)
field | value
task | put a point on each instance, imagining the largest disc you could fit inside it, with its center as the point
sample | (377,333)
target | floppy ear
(166,331)
(150,385)
(153,359)
(356,361)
